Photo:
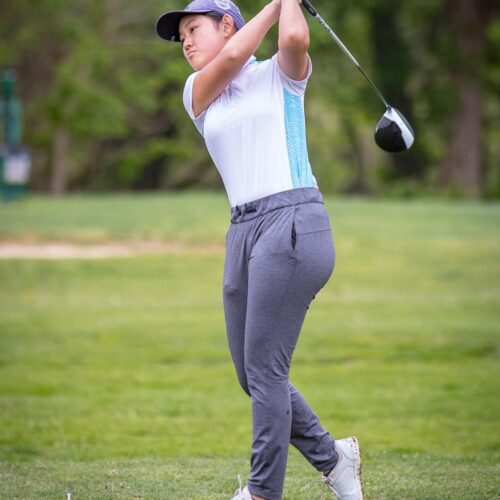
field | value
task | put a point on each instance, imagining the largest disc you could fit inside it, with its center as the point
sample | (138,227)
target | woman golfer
(279,246)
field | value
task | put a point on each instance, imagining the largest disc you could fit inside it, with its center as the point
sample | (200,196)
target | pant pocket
(310,218)
(294,235)
(278,235)
(291,234)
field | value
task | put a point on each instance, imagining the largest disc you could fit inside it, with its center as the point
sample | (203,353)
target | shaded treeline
(103,107)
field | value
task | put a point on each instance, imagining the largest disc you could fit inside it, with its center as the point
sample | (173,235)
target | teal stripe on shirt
(300,167)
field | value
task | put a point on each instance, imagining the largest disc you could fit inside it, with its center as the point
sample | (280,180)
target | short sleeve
(188,104)
(297,87)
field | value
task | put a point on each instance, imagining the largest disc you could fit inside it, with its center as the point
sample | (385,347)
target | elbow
(296,39)
(231,56)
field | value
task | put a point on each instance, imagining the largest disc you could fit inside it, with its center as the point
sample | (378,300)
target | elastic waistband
(256,208)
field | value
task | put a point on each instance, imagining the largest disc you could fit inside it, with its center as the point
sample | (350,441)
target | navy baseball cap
(167,25)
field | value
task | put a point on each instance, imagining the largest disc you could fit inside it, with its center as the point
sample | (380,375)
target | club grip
(307,4)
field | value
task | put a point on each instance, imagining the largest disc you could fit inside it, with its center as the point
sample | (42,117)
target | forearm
(293,28)
(248,39)
(215,76)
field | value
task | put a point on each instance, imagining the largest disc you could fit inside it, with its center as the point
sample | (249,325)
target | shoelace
(322,496)
(324,487)
(239,491)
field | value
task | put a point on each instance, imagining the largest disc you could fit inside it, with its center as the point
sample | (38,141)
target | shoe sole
(357,451)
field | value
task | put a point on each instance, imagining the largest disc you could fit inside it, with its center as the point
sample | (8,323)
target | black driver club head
(393,132)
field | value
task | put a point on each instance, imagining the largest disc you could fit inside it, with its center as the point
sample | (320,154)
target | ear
(228,27)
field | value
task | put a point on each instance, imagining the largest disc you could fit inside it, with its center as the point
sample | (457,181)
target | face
(202,39)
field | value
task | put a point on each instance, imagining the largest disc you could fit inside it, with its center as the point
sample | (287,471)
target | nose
(187,44)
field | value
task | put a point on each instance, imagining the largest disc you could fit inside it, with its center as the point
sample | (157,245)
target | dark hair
(215,16)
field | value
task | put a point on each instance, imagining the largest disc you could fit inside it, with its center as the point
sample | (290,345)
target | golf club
(393,133)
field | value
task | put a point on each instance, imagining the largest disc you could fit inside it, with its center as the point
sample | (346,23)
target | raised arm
(218,73)
(293,40)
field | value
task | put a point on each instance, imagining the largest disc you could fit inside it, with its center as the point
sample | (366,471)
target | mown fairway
(116,382)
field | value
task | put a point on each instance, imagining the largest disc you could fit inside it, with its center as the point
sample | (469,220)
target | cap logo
(223,4)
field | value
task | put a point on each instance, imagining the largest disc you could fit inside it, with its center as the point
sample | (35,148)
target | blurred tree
(491,126)
(103,97)
(454,60)
(393,70)
(462,165)
(103,94)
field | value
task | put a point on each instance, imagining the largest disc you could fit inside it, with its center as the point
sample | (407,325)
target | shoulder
(187,99)
(294,86)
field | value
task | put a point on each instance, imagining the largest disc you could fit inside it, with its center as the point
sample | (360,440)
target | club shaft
(346,51)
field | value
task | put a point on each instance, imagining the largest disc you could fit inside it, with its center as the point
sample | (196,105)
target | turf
(115,380)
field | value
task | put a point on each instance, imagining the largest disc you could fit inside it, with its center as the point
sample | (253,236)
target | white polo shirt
(255,132)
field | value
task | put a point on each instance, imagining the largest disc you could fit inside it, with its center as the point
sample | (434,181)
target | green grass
(191,217)
(115,379)
(385,475)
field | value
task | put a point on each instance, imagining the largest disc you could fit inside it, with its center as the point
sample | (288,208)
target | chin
(201,60)
(197,66)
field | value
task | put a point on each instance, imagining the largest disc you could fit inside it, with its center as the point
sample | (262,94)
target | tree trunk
(60,161)
(359,183)
(462,164)
(461,167)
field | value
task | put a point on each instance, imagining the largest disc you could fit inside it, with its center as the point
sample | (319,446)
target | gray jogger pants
(279,254)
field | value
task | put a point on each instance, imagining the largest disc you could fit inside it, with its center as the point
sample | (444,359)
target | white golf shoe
(242,494)
(345,478)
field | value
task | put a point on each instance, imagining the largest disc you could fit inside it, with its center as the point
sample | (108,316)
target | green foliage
(97,69)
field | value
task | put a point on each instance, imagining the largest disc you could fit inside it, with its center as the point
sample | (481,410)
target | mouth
(190,54)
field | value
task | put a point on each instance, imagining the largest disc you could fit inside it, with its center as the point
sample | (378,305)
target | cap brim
(167,25)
